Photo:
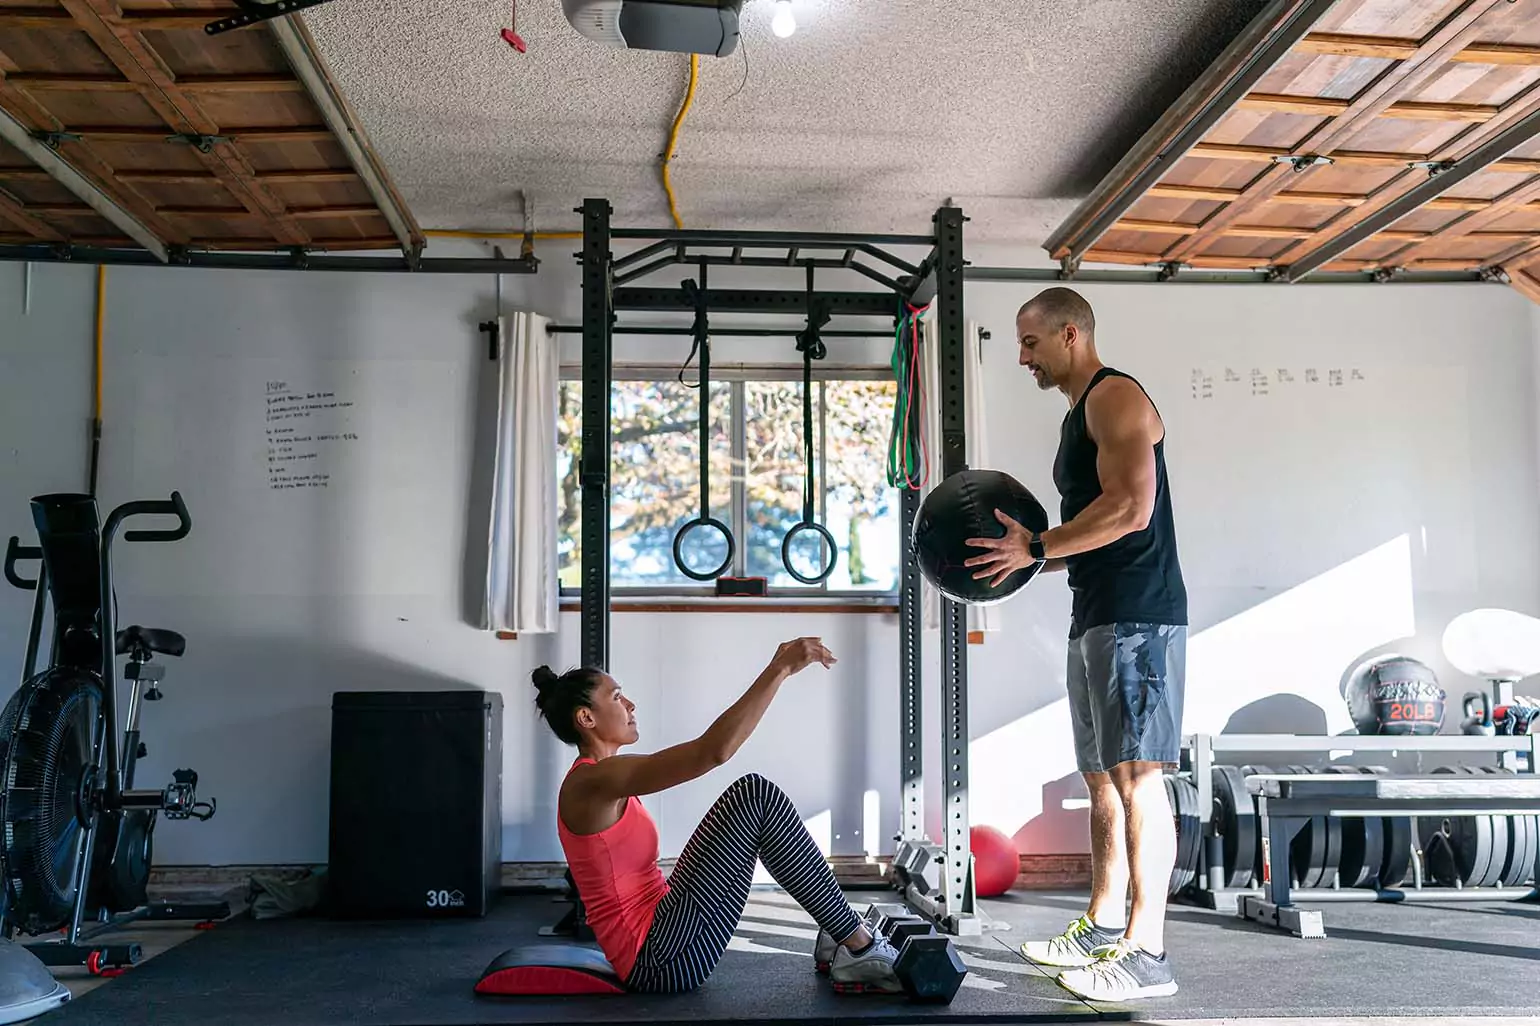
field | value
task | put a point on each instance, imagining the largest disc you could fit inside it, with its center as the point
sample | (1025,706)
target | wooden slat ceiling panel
(1477,85)
(1523,219)
(1122,240)
(294,156)
(1236,127)
(1476,246)
(270,109)
(1376,249)
(1403,135)
(1427,219)
(1178,209)
(1260,250)
(121,85)
(1378,86)
(1212,174)
(1303,74)
(1488,185)
(1386,18)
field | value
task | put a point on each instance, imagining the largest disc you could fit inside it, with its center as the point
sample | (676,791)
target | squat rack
(607,289)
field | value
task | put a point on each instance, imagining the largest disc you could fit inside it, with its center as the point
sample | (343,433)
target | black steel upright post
(598,369)
(911,809)
(957,878)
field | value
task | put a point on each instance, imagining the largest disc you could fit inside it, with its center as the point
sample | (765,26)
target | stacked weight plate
(1183,796)
(1478,851)
(1317,849)
(1235,820)
(1361,859)
(1523,839)
(1370,852)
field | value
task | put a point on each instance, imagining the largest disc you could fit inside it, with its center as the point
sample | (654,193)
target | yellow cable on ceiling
(673,137)
(668,186)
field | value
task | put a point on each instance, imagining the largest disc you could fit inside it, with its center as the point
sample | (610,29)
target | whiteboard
(1279,469)
(307,476)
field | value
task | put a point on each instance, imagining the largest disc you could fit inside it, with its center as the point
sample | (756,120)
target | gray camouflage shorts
(1126,684)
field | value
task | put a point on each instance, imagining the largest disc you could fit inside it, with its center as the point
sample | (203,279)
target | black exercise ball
(962,507)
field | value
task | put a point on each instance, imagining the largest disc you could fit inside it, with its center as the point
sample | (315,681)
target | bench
(1286,802)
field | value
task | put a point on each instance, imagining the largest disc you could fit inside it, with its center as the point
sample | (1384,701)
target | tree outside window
(758,479)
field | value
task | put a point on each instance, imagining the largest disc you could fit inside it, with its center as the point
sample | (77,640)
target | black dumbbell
(824,949)
(928,965)
(901,928)
(878,915)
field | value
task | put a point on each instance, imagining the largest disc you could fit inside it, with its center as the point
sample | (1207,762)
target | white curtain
(521,585)
(980,618)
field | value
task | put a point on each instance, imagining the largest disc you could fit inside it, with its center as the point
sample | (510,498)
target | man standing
(1127,644)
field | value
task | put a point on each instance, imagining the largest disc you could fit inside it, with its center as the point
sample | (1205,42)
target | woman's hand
(795,656)
(619,776)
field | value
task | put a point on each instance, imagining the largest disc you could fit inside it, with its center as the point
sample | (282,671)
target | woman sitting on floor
(666,935)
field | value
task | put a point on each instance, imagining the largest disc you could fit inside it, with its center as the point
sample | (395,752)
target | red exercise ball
(995,861)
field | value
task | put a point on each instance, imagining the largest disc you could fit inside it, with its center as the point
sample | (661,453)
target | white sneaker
(1124,972)
(1080,945)
(870,972)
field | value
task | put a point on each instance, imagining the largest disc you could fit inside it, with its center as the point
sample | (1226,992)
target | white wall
(1317,524)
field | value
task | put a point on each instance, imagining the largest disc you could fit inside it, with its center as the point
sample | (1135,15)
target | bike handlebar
(15,552)
(174,507)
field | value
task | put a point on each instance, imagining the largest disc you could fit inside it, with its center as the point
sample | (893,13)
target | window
(758,479)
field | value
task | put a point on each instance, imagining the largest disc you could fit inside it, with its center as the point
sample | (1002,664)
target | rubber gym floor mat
(313,972)
(1465,959)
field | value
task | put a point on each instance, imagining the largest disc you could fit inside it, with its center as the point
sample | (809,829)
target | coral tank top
(617,874)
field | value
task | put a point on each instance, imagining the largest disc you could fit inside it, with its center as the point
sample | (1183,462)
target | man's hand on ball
(1005,555)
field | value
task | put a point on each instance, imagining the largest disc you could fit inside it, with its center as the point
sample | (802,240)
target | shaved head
(1058,308)
(1057,333)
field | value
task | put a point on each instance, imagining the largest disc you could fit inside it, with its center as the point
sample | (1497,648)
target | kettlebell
(1478,722)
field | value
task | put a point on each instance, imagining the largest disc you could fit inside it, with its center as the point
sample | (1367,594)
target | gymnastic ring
(834,551)
(727,561)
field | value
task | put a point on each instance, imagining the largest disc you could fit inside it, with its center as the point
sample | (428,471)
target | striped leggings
(709,888)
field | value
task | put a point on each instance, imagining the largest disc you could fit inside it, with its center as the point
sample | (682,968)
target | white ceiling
(867,119)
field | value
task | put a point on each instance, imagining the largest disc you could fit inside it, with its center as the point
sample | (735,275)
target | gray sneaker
(870,972)
(1122,973)
(1076,946)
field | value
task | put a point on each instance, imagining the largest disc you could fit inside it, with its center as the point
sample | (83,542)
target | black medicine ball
(962,507)
(1395,694)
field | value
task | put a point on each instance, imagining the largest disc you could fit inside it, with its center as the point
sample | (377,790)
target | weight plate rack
(1365,853)
(1412,839)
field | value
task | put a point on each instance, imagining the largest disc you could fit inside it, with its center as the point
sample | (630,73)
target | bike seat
(149,639)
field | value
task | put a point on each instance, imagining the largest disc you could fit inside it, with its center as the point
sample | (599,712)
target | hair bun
(544,677)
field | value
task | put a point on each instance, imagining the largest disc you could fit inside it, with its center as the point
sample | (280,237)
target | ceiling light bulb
(784,23)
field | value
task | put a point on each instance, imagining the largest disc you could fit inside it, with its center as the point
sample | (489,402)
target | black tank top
(1136,578)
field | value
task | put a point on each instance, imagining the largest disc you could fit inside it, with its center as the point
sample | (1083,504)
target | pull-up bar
(937,277)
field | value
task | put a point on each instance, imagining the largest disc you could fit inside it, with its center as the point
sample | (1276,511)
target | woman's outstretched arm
(624,775)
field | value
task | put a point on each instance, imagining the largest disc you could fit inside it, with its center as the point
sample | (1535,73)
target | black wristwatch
(1035,547)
